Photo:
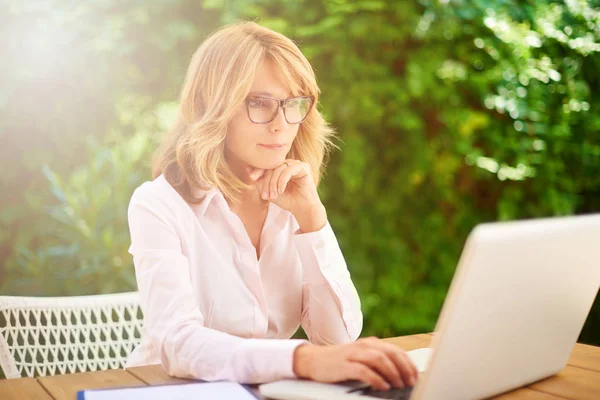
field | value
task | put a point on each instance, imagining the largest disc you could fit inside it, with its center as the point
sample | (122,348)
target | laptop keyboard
(394,393)
(362,389)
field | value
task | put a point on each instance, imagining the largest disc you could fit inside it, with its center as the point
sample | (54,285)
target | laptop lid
(515,308)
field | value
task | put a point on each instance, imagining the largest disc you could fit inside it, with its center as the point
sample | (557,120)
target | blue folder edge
(81,393)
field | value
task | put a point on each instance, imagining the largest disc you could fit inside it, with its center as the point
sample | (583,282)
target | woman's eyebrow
(264,93)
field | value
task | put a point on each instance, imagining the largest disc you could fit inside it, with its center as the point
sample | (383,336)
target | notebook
(204,390)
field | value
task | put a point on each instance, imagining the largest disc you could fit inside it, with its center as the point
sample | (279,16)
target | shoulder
(159,196)
(153,191)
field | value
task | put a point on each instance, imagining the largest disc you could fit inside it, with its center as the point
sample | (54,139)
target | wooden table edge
(126,385)
(138,377)
(570,355)
(44,388)
(32,381)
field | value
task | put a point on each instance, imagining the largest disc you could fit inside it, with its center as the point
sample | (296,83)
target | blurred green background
(449,113)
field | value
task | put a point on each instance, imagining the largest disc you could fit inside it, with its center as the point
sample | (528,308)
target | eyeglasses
(262,109)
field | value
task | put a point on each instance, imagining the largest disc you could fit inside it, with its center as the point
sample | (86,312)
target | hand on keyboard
(369,360)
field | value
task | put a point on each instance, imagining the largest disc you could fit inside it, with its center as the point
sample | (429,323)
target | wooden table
(580,379)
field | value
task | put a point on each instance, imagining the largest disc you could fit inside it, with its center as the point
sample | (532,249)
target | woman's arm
(331,307)
(172,319)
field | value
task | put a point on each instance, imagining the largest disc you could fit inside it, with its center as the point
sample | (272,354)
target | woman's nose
(279,121)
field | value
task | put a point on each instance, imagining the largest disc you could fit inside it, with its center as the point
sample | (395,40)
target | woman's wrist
(312,218)
(300,360)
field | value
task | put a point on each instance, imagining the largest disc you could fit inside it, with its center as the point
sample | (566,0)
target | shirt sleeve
(331,311)
(173,321)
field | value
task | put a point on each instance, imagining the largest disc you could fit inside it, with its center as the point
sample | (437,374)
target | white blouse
(212,310)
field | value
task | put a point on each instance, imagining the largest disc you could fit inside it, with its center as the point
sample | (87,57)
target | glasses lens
(261,110)
(296,109)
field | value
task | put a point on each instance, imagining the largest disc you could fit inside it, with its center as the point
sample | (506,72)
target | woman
(231,244)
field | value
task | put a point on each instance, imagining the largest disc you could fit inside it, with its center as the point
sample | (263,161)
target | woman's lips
(273,146)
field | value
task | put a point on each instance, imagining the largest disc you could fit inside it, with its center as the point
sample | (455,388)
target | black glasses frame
(280,104)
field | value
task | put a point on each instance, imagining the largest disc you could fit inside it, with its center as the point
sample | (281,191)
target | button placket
(249,259)
(261,323)
(251,274)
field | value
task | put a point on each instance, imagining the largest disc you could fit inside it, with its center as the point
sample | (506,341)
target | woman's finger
(284,179)
(265,180)
(403,363)
(297,170)
(273,189)
(400,353)
(380,361)
(413,368)
(360,372)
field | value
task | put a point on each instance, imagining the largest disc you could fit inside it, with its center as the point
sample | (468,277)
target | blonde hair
(218,80)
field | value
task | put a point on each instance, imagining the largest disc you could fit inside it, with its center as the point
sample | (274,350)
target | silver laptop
(515,308)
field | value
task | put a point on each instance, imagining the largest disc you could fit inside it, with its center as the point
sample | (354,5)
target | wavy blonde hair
(218,80)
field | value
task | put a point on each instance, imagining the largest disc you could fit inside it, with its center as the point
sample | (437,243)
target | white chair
(57,335)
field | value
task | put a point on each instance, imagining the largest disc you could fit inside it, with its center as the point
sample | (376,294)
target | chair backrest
(57,335)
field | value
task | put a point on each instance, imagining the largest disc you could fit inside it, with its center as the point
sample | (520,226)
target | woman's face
(263,146)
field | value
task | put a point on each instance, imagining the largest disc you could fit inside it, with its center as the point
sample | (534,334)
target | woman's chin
(268,164)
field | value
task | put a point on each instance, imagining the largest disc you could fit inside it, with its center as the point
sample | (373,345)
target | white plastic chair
(57,335)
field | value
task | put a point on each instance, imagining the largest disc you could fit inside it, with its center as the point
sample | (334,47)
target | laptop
(515,308)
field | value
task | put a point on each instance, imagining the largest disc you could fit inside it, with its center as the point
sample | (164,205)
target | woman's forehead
(269,81)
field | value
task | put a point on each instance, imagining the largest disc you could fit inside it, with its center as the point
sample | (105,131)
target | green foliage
(85,233)
(68,73)
(448,115)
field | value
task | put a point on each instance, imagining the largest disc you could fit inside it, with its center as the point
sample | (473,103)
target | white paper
(208,390)
(420,357)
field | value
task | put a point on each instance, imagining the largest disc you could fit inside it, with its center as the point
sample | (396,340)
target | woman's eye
(255,103)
